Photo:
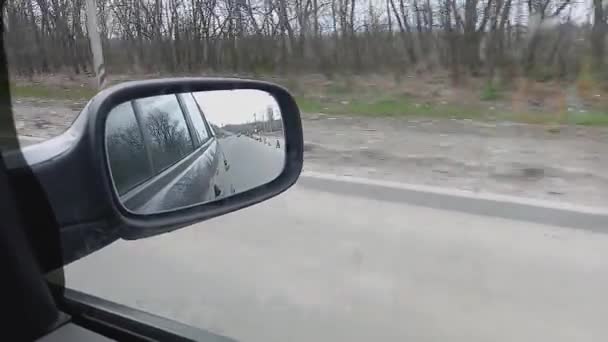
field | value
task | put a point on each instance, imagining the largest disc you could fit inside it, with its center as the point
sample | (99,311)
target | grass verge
(40,91)
(402,106)
(346,99)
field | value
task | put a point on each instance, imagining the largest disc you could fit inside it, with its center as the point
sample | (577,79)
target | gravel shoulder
(567,163)
(43,118)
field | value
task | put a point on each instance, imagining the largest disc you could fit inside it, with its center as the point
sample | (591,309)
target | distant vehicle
(168,156)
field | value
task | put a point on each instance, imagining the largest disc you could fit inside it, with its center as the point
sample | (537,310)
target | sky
(222,107)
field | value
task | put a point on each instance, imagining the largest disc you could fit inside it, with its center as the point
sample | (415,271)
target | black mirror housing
(71,171)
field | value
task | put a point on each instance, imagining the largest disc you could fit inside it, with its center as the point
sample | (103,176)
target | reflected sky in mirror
(223,107)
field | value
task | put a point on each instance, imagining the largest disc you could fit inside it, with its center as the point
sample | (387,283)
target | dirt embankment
(568,163)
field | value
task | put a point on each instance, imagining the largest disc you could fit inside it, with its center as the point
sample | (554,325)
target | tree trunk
(598,35)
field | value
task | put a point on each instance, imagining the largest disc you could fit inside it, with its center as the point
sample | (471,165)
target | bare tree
(598,34)
(193,36)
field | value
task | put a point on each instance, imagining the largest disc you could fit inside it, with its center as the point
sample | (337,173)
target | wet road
(313,265)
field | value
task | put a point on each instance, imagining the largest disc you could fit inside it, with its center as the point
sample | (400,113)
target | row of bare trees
(540,38)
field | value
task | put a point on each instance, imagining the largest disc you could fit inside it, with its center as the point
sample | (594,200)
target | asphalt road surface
(312,265)
(252,163)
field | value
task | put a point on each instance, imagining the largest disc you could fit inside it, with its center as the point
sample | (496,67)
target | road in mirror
(172,151)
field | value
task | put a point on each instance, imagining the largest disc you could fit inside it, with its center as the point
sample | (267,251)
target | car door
(221,182)
(181,159)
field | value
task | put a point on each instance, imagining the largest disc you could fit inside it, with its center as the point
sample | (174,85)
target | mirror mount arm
(55,181)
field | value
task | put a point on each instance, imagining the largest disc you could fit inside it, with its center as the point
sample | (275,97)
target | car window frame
(204,116)
(187,116)
(151,171)
(180,98)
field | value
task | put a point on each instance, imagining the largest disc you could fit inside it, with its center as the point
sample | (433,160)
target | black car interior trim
(121,322)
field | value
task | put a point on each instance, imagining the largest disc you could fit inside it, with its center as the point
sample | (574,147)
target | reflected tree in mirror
(126,149)
(165,123)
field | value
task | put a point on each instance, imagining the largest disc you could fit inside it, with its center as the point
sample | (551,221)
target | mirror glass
(172,151)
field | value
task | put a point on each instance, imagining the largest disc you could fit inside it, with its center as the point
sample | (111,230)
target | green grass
(403,106)
(591,119)
(308,105)
(342,99)
(384,106)
(50,92)
(344,87)
(490,93)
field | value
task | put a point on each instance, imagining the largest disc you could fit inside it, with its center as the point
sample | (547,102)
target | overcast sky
(222,107)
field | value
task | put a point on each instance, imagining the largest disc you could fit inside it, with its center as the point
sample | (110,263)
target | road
(313,265)
(252,163)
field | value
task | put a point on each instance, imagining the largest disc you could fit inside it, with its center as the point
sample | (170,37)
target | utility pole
(95,40)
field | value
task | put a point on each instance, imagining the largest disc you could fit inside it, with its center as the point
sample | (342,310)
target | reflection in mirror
(172,151)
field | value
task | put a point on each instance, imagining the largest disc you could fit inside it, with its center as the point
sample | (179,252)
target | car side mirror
(173,151)
(147,157)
